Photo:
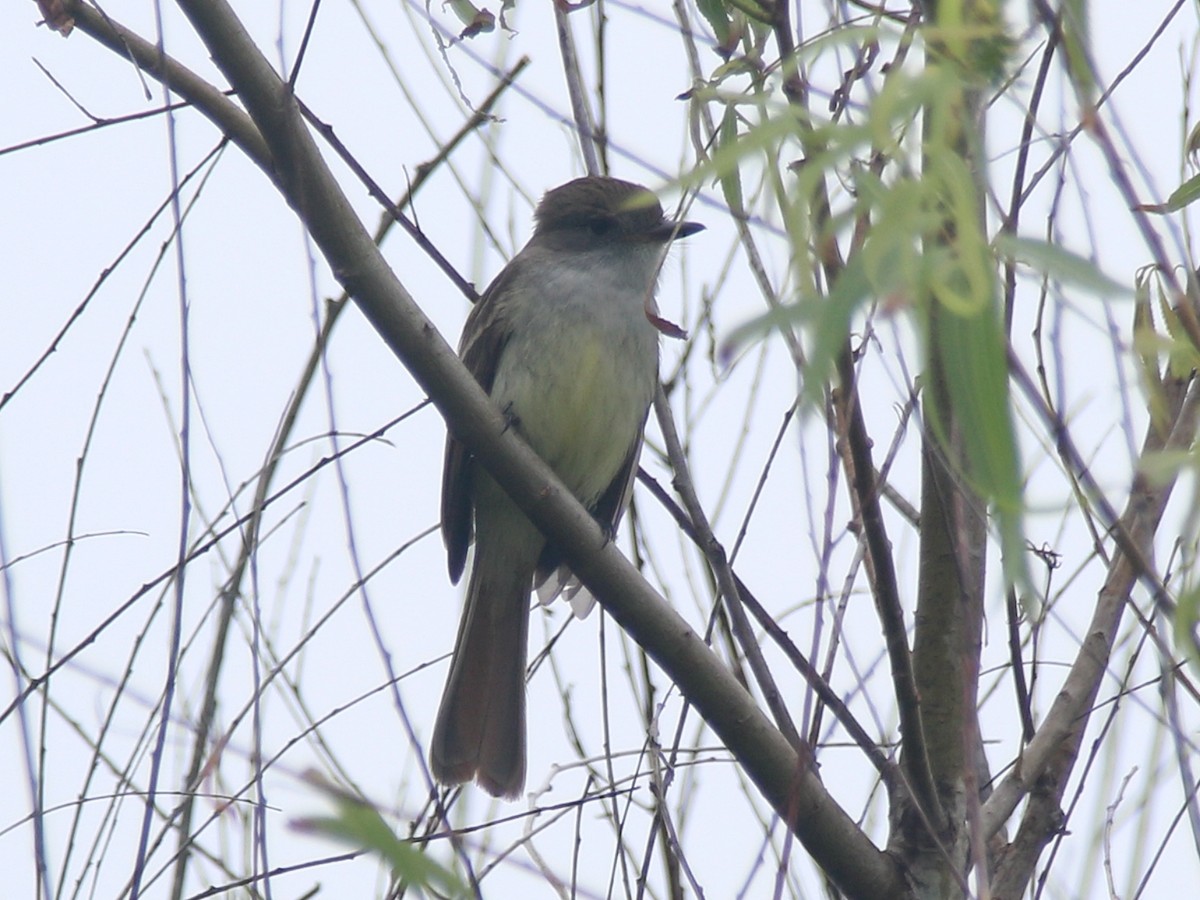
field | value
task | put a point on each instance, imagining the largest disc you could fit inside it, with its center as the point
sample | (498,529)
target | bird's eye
(600,227)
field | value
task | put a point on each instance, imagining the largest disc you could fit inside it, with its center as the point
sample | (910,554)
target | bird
(565,342)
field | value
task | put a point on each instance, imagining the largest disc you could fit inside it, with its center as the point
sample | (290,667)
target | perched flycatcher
(565,341)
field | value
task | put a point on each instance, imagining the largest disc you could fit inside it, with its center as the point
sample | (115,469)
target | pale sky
(74,205)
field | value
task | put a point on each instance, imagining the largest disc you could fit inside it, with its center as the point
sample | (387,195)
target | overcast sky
(72,207)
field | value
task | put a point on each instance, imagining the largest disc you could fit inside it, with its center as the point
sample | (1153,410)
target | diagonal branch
(307,184)
(1057,740)
(208,100)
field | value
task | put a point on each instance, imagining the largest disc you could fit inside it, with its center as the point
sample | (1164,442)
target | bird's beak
(683,229)
(673,231)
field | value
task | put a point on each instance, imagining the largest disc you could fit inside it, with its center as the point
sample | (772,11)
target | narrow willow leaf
(759,327)
(717,16)
(972,351)
(892,257)
(358,824)
(831,317)
(762,138)
(1077,42)
(1187,615)
(1060,265)
(752,9)
(1182,355)
(1183,195)
(828,321)
(849,36)
(966,280)
(1165,466)
(730,174)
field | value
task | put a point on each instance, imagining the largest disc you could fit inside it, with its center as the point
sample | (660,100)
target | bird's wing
(484,336)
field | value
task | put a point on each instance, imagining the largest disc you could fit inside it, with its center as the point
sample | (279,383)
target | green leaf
(752,9)
(1077,41)
(1184,195)
(763,138)
(892,257)
(1164,466)
(1192,145)
(1187,615)
(358,824)
(717,16)
(974,361)
(730,176)
(831,317)
(759,327)
(1061,265)
(827,319)
(964,334)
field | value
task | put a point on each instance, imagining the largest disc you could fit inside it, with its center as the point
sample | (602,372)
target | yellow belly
(581,409)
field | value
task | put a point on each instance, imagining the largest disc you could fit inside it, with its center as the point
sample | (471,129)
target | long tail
(480,730)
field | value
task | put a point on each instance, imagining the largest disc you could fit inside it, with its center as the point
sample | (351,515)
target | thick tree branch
(947,633)
(310,188)
(250,536)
